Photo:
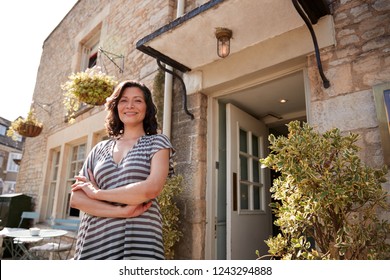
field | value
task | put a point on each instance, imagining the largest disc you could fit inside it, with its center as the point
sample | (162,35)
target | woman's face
(132,106)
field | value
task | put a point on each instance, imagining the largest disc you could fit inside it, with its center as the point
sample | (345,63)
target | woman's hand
(100,208)
(89,187)
(130,211)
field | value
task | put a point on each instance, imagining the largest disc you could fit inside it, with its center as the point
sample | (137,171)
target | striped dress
(123,238)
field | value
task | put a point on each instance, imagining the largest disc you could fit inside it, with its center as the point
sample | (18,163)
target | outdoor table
(19,239)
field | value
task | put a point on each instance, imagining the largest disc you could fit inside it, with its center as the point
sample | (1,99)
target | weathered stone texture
(359,61)
(189,139)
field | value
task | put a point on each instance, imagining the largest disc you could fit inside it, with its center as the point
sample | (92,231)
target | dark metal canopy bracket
(325,81)
(183,85)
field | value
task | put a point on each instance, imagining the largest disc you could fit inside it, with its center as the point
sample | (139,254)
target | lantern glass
(223,48)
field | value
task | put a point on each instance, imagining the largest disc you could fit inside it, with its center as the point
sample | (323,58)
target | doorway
(246,118)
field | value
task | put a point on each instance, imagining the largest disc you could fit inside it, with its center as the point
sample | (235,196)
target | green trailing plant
(27,127)
(327,203)
(90,87)
(170,214)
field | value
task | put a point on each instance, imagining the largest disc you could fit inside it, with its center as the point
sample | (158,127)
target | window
(89,52)
(53,182)
(9,187)
(3,129)
(11,165)
(252,192)
(77,158)
(88,59)
(382,103)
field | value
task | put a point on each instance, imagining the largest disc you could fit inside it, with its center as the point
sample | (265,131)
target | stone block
(347,112)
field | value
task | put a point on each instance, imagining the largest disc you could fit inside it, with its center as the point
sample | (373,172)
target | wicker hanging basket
(29,130)
(27,127)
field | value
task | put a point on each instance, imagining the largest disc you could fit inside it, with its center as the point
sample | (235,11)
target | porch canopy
(189,42)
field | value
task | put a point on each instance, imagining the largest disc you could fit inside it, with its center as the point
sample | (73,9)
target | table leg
(23,251)
(18,249)
(13,249)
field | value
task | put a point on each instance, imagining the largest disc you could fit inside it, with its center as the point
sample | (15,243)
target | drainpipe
(167,116)
(168,84)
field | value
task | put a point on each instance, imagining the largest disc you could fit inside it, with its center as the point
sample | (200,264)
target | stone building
(10,154)
(219,121)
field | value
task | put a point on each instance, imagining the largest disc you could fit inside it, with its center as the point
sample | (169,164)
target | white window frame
(11,165)
(54,173)
(3,129)
(9,187)
(89,49)
(71,172)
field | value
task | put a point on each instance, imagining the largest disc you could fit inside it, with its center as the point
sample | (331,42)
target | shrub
(170,214)
(327,203)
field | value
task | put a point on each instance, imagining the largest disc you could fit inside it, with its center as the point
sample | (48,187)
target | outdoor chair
(28,216)
(60,244)
(28,241)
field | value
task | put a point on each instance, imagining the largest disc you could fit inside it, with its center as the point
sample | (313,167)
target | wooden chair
(61,245)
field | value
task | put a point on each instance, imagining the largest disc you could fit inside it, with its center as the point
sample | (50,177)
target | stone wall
(359,61)
(190,142)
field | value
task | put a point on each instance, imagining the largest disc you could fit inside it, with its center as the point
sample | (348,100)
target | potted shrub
(91,87)
(27,127)
(328,204)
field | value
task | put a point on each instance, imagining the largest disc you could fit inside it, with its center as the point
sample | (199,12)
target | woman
(121,179)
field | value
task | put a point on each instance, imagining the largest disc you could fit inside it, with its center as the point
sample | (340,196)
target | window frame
(89,50)
(70,179)
(250,181)
(11,165)
(3,130)
(383,115)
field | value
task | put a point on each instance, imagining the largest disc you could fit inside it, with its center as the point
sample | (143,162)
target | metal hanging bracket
(325,81)
(112,57)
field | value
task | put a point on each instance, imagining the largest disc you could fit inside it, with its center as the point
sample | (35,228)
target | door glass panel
(255,146)
(250,183)
(256,197)
(243,141)
(81,152)
(244,197)
(53,183)
(256,173)
(77,161)
(244,167)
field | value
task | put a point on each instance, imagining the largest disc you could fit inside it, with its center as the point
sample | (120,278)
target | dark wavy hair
(114,126)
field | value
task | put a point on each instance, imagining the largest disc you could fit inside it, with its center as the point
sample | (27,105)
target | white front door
(249,220)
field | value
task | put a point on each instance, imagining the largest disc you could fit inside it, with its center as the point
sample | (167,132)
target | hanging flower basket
(29,130)
(91,87)
(28,127)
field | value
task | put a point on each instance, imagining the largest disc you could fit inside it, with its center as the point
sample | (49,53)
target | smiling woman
(121,179)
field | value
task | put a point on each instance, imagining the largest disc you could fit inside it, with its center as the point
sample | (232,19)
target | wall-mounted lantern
(223,36)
